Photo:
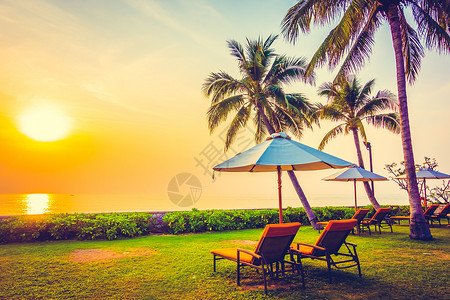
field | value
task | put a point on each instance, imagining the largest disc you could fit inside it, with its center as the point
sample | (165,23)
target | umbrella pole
(424,193)
(279,194)
(354,186)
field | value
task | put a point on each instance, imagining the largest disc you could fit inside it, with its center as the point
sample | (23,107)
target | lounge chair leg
(357,262)
(214,264)
(329,267)
(264,277)
(300,270)
(238,269)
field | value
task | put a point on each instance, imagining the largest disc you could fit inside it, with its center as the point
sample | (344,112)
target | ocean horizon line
(41,203)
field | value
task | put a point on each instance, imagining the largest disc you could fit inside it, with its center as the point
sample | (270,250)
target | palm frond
(261,131)
(436,35)
(287,70)
(361,130)
(239,122)
(331,112)
(300,16)
(389,121)
(221,85)
(269,41)
(327,89)
(218,113)
(412,50)
(350,24)
(366,89)
(237,51)
(340,37)
(331,135)
(320,56)
(361,48)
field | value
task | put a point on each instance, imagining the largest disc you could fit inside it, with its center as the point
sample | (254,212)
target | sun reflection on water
(37,204)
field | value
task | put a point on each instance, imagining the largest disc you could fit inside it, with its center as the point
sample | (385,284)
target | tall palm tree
(351,104)
(353,36)
(259,96)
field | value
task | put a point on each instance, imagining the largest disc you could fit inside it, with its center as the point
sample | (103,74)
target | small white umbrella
(355,173)
(279,153)
(426,173)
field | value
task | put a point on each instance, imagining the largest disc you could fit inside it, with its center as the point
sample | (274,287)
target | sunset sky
(127,76)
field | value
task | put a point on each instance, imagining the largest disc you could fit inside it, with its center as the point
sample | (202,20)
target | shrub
(112,226)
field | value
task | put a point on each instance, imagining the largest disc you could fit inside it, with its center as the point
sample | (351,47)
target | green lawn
(172,267)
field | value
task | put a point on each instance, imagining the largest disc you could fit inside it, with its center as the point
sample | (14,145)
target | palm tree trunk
(418,227)
(369,191)
(309,212)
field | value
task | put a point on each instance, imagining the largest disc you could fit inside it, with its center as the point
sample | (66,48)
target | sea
(32,204)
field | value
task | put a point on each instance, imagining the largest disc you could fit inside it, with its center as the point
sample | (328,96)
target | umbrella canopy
(355,173)
(280,153)
(426,173)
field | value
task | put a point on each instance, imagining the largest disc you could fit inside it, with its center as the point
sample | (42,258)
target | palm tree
(259,96)
(350,105)
(353,36)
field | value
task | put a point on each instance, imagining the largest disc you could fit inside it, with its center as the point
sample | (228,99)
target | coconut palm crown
(352,38)
(351,104)
(259,95)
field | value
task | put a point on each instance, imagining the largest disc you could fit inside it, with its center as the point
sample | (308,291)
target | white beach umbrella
(280,153)
(426,173)
(355,173)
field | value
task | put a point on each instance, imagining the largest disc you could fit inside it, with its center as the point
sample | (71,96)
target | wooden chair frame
(269,258)
(429,212)
(377,220)
(441,215)
(359,216)
(330,243)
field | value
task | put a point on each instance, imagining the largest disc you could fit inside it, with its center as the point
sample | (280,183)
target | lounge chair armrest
(308,245)
(249,253)
(351,244)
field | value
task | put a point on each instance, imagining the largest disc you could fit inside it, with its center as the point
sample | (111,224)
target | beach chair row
(277,256)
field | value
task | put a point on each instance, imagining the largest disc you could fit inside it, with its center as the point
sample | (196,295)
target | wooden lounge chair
(377,220)
(359,216)
(429,212)
(443,214)
(272,248)
(329,243)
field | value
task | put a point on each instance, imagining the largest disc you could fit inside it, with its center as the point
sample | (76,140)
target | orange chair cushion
(303,249)
(273,230)
(339,225)
(232,253)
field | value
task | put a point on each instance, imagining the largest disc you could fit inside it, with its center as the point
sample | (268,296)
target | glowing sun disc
(44,123)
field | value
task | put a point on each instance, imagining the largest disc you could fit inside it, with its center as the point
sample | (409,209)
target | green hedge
(218,220)
(79,226)
(123,225)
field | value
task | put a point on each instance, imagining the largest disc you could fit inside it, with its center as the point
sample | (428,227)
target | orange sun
(44,123)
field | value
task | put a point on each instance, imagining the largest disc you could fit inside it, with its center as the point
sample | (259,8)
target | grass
(171,267)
